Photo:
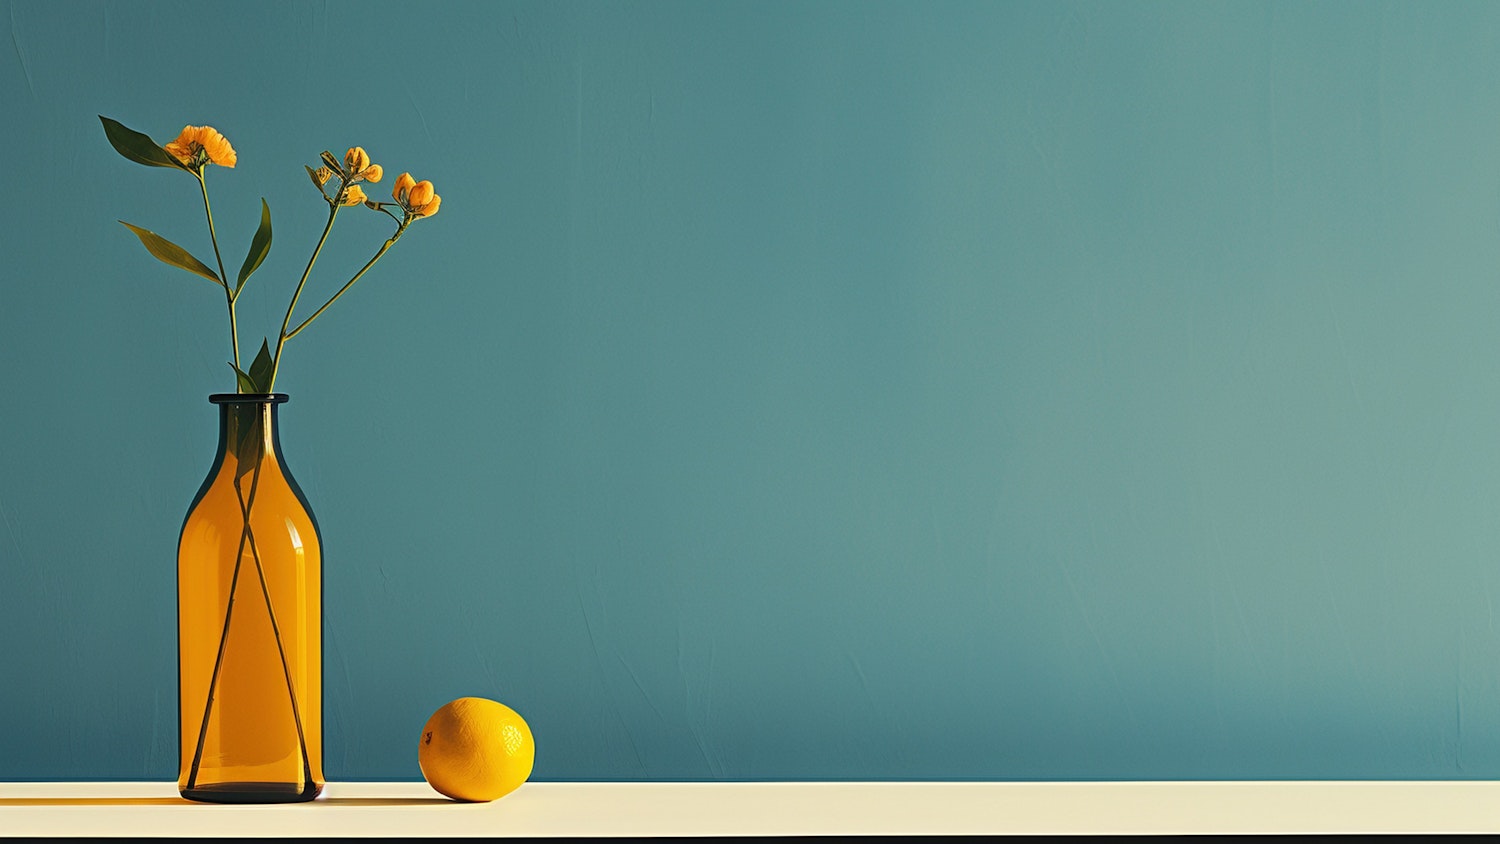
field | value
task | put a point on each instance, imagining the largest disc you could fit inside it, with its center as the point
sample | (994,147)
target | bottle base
(253,792)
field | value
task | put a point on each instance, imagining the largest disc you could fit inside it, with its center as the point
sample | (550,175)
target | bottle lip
(248,398)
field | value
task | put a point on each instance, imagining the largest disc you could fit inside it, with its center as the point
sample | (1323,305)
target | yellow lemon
(474,749)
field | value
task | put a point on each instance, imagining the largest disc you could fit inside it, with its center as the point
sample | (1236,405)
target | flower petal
(403,187)
(184,147)
(421,194)
(356,159)
(217,146)
(430,208)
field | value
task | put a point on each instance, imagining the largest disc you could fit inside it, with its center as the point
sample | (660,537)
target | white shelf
(541,809)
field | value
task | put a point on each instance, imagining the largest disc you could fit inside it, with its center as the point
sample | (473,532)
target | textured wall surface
(787,390)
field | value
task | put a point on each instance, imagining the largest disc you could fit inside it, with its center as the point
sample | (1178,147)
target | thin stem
(388,244)
(381,207)
(234,337)
(234,580)
(281,338)
(276,632)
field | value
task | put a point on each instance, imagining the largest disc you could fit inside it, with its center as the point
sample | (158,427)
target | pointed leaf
(260,368)
(333,163)
(246,385)
(249,443)
(170,253)
(138,147)
(260,246)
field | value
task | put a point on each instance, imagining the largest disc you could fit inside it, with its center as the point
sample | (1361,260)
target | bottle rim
(248,398)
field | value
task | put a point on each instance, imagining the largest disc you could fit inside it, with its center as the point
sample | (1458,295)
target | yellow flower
(357,165)
(421,194)
(321,176)
(403,187)
(198,145)
(416,197)
(352,195)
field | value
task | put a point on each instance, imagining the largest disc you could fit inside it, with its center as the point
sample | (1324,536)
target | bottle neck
(246,421)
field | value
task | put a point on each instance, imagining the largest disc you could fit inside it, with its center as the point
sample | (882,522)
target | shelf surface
(547,809)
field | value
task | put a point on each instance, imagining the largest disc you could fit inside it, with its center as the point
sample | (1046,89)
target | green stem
(257,431)
(281,338)
(388,244)
(234,337)
(234,582)
(286,670)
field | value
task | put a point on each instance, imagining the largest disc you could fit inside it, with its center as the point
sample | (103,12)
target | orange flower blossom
(357,165)
(197,145)
(417,198)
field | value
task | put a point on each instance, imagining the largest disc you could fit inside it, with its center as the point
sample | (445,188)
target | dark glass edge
(249,398)
(253,792)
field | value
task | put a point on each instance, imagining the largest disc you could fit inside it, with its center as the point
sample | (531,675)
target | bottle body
(250,619)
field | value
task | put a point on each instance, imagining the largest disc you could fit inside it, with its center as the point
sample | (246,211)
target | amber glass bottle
(250,622)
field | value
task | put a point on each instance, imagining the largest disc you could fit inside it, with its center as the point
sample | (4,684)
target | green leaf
(137,147)
(249,441)
(170,253)
(261,367)
(260,246)
(246,385)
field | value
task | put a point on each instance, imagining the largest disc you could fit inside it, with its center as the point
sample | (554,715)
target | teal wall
(788,390)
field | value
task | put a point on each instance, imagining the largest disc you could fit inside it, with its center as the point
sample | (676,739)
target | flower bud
(421,194)
(403,187)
